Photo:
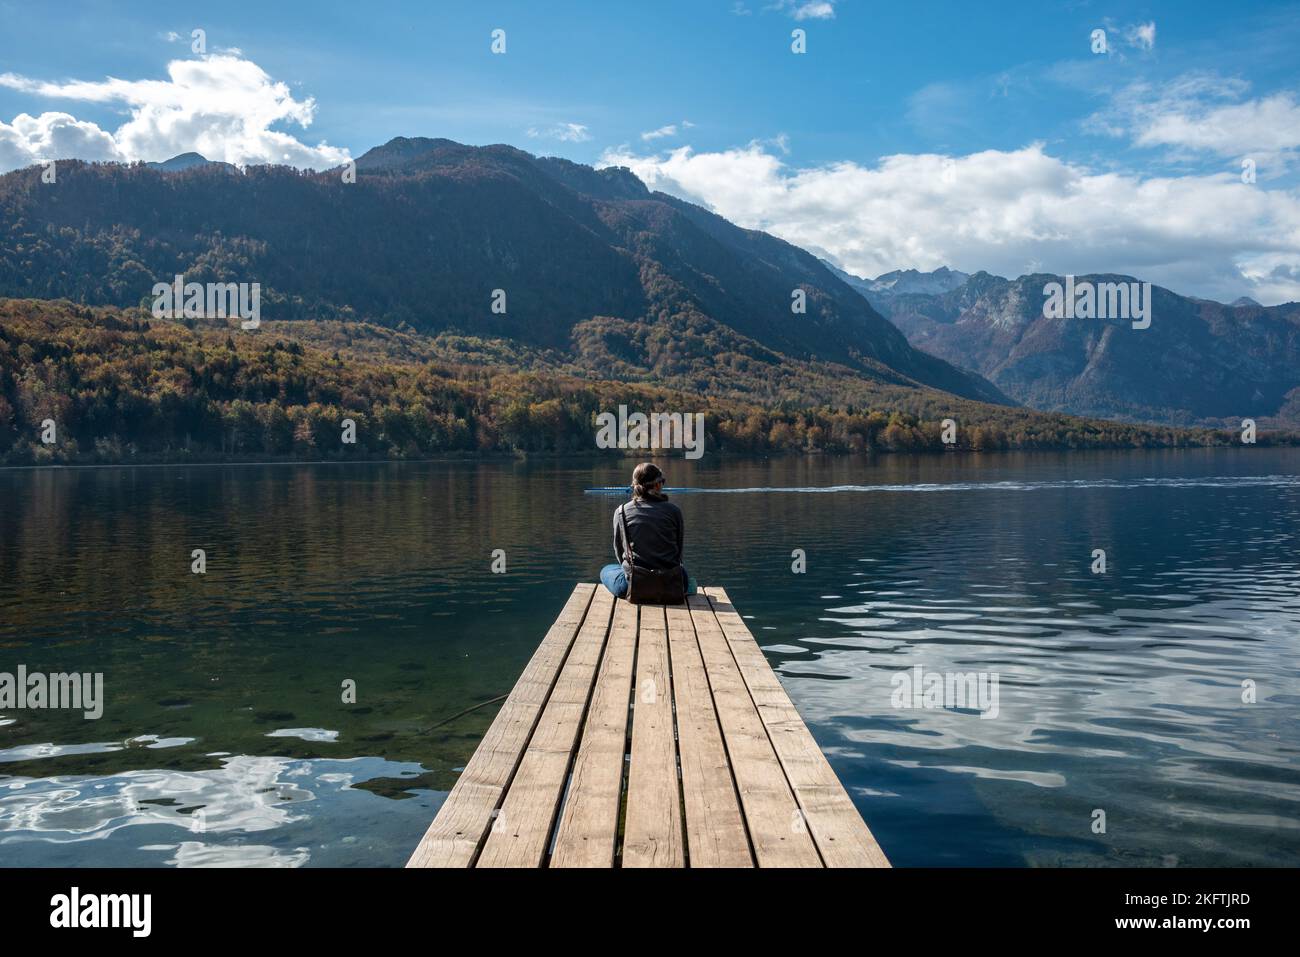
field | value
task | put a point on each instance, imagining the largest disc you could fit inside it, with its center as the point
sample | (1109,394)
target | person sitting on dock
(648,538)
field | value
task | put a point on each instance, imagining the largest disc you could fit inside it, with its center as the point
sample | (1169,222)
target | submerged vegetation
(120,386)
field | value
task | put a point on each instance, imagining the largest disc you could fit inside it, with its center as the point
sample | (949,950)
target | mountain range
(886,287)
(589,265)
(1199,363)
(481,298)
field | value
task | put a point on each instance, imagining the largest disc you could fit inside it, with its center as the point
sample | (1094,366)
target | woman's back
(656,531)
(655,527)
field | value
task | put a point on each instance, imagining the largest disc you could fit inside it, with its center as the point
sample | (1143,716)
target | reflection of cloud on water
(305,734)
(247,794)
(194,854)
(29,752)
(251,811)
(1047,780)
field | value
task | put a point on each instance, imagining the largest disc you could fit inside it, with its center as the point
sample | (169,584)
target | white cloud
(1205,112)
(33,139)
(220,105)
(565,132)
(671,129)
(1142,36)
(1268,124)
(1210,235)
(809,9)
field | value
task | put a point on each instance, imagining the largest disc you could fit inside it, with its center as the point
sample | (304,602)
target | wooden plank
(588,831)
(521,832)
(453,838)
(715,826)
(841,835)
(776,829)
(653,830)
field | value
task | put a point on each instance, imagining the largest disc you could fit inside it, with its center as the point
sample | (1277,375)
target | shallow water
(224,738)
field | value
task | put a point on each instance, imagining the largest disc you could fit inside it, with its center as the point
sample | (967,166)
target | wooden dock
(648,736)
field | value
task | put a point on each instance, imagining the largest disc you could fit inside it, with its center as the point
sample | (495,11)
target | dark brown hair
(644,476)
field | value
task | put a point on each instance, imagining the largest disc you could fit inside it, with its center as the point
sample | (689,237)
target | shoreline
(627,456)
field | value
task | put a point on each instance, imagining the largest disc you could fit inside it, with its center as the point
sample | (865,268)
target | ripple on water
(1164,691)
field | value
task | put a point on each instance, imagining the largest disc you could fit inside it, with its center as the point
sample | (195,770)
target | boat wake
(1221,481)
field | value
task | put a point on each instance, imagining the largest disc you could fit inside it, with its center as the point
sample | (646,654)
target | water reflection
(199,818)
(1120,691)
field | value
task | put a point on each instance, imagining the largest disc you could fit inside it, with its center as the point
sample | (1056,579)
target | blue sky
(1156,128)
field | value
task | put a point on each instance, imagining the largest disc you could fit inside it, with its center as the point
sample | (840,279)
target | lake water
(224,738)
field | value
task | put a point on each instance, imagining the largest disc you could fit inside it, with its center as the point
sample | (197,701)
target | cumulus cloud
(33,139)
(565,132)
(1205,112)
(220,105)
(1009,212)
(1271,123)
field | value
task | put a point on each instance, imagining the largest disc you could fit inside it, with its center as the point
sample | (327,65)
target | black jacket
(656,528)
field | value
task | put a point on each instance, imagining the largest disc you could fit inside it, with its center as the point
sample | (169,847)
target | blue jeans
(615,579)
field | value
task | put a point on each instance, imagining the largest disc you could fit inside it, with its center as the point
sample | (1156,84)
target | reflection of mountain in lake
(223,690)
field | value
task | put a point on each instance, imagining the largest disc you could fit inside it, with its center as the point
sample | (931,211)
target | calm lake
(224,739)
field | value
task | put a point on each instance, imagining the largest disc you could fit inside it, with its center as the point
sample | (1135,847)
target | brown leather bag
(650,586)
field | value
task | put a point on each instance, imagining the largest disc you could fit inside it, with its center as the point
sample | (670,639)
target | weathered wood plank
(453,838)
(776,828)
(653,829)
(588,830)
(754,785)
(839,831)
(715,826)
(520,835)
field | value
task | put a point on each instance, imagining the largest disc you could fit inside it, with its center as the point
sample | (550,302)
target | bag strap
(628,555)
